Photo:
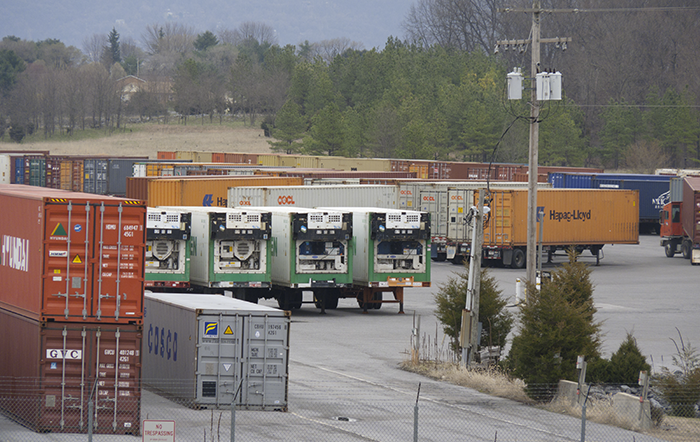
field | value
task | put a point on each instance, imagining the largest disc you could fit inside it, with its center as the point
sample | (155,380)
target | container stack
(71,309)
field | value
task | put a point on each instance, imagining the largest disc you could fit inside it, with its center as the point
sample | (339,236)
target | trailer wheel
(459,259)
(518,261)
(441,257)
(670,249)
(686,249)
(331,299)
(290,300)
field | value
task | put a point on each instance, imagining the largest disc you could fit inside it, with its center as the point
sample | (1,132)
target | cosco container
(168,248)
(70,256)
(312,196)
(195,190)
(231,247)
(202,348)
(51,370)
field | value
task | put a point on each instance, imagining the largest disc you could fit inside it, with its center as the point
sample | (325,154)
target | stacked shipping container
(72,307)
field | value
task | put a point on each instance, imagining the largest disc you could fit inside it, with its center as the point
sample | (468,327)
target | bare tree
(327,50)
(93,47)
(170,37)
(259,31)
(229,36)
(461,24)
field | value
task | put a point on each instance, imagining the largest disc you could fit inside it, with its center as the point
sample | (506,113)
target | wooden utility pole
(533,155)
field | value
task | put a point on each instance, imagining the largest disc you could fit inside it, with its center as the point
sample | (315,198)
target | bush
(450,301)
(622,368)
(556,326)
(17,133)
(681,389)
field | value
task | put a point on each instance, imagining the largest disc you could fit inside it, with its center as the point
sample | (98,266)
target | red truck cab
(673,238)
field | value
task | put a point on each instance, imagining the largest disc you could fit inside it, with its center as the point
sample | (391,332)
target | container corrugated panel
(690,214)
(5,169)
(71,256)
(653,194)
(269,159)
(53,172)
(218,157)
(95,172)
(200,348)
(312,196)
(196,191)
(119,169)
(57,367)
(17,169)
(631,177)
(35,171)
(165,155)
(676,190)
(572,216)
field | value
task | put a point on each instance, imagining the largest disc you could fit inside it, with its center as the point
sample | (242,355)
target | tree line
(437,94)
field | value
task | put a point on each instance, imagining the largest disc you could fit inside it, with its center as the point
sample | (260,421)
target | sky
(370,22)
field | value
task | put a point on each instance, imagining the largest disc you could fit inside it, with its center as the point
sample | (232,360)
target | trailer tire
(331,299)
(686,249)
(670,249)
(459,259)
(440,257)
(518,261)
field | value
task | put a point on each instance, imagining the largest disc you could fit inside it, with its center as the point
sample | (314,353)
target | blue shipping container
(653,194)
(565,180)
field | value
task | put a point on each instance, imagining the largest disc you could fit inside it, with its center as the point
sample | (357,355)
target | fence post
(583,416)
(415,417)
(89,428)
(233,411)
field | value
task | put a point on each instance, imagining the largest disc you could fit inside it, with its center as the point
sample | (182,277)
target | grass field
(146,139)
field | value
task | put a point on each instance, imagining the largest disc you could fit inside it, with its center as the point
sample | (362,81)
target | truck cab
(671,230)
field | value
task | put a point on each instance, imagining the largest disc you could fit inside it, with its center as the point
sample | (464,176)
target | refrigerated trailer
(313,252)
(392,253)
(201,349)
(230,247)
(585,219)
(168,245)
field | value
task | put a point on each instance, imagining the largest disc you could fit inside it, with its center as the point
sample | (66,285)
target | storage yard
(85,238)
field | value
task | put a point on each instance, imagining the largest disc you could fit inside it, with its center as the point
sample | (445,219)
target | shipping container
(676,190)
(95,178)
(311,196)
(51,370)
(70,256)
(584,218)
(5,169)
(231,247)
(196,191)
(119,169)
(168,248)
(269,159)
(165,155)
(200,348)
(690,215)
(194,156)
(53,172)
(352,164)
(35,170)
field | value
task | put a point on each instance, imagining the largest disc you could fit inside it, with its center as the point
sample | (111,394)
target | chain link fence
(318,410)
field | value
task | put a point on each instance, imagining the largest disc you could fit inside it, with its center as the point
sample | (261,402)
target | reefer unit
(392,247)
(585,219)
(168,246)
(231,247)
(51,370)
(71,256)
(314,248)
(201,348)
(314,196)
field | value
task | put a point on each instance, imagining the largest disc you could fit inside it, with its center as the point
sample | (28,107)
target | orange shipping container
(69,256)
(571,217)
(164,155)
(196,190)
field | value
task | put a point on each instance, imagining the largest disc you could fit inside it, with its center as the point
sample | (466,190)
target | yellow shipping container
(571,217)
(270,160)
(194,156)
(361,164)
(197,190)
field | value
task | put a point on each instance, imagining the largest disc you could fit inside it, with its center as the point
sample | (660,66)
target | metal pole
(476,287)
(90,418)
(533,153)
(415,416)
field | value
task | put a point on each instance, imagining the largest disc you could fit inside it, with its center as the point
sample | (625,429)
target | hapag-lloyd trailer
(70,256)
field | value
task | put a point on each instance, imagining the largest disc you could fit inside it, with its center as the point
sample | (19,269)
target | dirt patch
(147,140)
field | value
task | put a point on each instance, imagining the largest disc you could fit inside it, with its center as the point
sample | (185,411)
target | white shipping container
(384,196)
(5,169)
(200,348)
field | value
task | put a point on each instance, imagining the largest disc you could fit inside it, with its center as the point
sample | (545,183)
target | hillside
(148,139)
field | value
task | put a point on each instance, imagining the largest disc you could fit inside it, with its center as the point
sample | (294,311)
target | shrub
(681,389)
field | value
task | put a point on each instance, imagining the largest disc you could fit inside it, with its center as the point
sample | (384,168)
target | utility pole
(533,155)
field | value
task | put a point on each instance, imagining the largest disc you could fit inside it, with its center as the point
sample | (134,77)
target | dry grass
(147,139)
(489,380)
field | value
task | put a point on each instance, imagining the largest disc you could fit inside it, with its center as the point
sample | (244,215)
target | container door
(265,363)
(435,203)
(218,358)
(459,203)
(81,363)
(499,228)
(119,240)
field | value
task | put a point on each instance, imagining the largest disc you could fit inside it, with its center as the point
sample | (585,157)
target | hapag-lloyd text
(573,215)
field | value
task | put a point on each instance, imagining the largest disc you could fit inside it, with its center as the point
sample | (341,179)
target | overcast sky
(370,22)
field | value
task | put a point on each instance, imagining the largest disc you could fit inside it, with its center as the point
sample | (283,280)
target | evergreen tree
(556,326)
(627,362)
(289,128)
(113,47)
(451,299)
(326,134)
(205,41)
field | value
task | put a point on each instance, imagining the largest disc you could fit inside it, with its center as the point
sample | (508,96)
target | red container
(51,370)
(69,256)
(164,155)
